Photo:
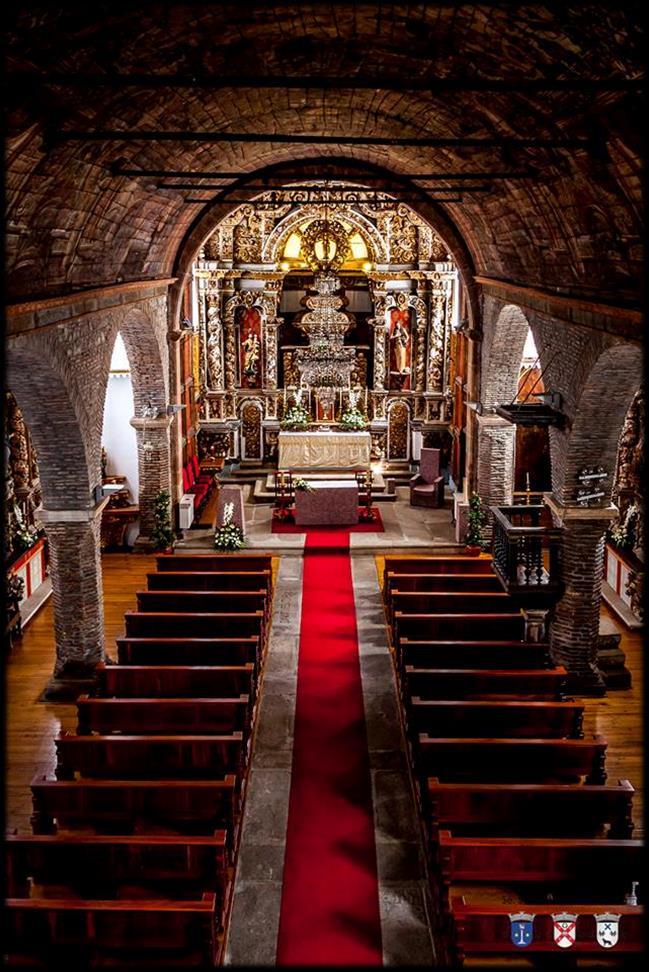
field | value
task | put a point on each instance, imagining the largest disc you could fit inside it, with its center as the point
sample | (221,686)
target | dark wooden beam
(86,80)
(366,194)
(381,204)
(58,136)
(119,170)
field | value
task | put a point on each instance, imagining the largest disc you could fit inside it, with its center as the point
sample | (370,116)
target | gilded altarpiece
(401,357)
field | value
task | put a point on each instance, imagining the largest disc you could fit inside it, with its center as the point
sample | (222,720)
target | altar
(335,450)
(327,503)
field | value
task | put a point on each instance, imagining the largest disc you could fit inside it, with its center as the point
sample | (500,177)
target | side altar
(333,450)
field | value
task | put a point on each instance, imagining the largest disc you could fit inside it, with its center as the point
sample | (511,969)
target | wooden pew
(505,626)
(92,863)
(149,757)
(167,933)
(528,809)
(118,806)
(168,716)
(580,869)
(505,719)
(486,929)
(442,582)
(189,625)
(468,683)
(202,602)
(436,565)
(511,760)
(450,602)
(499,654)
(176,681)
(234,580)
(215,563)
(146,651)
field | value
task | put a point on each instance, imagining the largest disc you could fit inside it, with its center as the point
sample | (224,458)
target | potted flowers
(163,534)
(476,520)
(229,535)
(302,485)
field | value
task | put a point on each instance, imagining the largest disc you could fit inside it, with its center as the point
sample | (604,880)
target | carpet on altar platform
(288,524)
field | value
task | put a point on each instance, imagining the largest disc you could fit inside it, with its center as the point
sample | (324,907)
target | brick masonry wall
(495,468)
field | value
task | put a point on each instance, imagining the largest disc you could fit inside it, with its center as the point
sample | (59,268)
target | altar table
(333,502)
(307,450)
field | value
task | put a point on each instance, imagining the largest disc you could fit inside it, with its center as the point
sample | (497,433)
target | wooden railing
(526,549)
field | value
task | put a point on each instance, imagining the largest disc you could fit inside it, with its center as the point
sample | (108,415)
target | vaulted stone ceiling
(573,225)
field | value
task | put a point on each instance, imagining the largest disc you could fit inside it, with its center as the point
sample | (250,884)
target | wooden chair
(232,650)
(175,681)
(427,486)
(167,716)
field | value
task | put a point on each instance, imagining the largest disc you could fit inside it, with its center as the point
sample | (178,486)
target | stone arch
(49,411)
(146,350)
(597,424)
(398,412)
(502,353)
(273,247)
(144,335)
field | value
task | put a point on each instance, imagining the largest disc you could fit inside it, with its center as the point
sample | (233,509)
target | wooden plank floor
(31,726)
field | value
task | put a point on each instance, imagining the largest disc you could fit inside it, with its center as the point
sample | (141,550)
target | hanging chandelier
(326,362)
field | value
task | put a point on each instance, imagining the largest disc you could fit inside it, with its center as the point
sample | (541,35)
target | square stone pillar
(77,594)
(495,468)
(154,469)
(574,634)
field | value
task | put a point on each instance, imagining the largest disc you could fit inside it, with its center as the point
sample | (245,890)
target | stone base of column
(143,545)
(589,682)
(66,690)
(611,661)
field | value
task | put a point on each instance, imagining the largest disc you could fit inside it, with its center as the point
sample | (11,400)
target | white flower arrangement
(303,485)
(229,536)
(297,417)
(352,419)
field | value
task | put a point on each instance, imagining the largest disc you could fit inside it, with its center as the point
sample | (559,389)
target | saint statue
(250,356)
(400,339)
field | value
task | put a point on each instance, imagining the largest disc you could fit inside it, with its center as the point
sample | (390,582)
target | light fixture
(368,266)
(477,407)
(326,362)
(284,266)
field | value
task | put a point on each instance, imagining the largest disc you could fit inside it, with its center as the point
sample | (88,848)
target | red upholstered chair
(427,487)
(201,477)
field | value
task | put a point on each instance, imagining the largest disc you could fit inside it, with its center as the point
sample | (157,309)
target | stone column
(75,569)
(495,467)
(575,625)
(154,470)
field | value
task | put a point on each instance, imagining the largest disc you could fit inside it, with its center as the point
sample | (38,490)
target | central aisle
(330,899)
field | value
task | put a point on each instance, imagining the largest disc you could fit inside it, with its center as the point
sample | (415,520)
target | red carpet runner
(330,905)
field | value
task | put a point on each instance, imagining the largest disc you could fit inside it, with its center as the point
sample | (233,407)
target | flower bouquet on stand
(352,419)
(476,521)
(229,535)
(302,485)
(297,417)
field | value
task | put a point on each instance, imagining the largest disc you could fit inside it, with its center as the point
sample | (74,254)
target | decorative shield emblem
(607,930)
(564,929)
(522,930)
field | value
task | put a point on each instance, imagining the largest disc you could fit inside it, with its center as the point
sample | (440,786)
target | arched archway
(593,441)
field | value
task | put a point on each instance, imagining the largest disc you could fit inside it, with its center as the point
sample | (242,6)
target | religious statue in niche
(400,349)
(324,405)
(250,346)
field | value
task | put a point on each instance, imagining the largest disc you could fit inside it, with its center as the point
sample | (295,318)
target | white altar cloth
(308,450)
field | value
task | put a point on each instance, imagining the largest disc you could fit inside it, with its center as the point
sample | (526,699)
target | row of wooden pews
(529,849)
(131,860)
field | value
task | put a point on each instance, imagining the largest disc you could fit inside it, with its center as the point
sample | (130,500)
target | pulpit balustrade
(525,548)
